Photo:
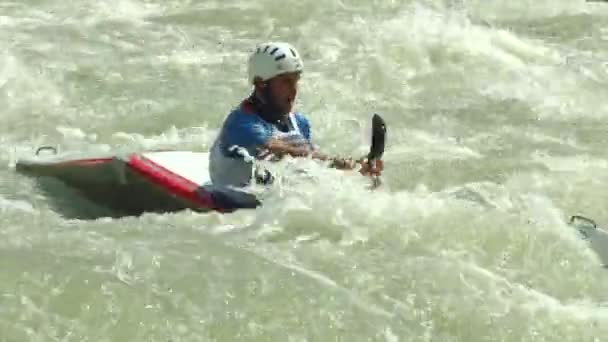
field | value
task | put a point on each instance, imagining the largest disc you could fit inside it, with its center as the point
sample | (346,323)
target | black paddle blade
(378,137)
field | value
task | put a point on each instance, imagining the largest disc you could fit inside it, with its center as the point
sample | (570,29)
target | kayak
(153,181)
(134,183)
(597,237)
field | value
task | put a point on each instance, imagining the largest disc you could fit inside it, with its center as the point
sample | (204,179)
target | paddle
(376,149)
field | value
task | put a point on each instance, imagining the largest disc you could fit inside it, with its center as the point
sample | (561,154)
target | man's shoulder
(242,122)
(243,113)
(244,107)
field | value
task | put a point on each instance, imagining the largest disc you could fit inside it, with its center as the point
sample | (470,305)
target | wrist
(342,163)
(299,151)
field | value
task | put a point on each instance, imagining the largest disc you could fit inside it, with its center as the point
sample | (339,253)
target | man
(264,125)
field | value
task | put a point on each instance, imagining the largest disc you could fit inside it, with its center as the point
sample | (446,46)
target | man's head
(274,70)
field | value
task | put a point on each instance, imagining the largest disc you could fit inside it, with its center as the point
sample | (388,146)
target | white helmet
(272,59)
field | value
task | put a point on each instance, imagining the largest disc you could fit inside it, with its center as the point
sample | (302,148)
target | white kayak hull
(597,237)
(134,183)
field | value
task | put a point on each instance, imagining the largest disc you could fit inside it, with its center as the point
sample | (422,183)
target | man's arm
(280,148)
(250,132)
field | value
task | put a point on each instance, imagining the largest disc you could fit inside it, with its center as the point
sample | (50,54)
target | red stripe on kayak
(172,182)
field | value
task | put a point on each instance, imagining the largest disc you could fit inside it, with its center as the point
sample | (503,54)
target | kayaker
(264,123)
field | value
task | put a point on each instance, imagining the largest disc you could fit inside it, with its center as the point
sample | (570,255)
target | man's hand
(375,168)
(372,169)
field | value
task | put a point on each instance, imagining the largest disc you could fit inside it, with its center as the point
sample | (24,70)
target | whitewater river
(496,113)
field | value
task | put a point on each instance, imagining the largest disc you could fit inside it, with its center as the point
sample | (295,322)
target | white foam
(19,205)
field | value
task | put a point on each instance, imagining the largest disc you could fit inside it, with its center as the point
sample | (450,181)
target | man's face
(283,89)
